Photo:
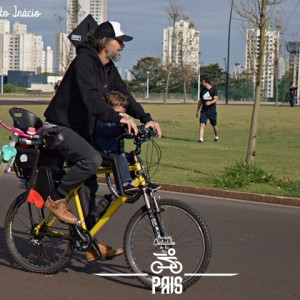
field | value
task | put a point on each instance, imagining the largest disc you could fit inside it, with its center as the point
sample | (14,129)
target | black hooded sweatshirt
(79,100)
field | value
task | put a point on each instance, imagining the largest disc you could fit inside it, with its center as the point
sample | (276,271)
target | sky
(145,21)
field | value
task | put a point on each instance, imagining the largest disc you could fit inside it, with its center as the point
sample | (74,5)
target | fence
(242,92)
(236,92)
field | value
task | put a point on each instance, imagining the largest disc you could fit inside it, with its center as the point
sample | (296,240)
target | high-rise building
(20,50)
(38,54)
(19,28)
(24,49)
(77,10)
(4,26)
(271,51)
(282,67)
(181,45)
(47,60)
(98,9)
(64,54)
(238,69)
(4,46)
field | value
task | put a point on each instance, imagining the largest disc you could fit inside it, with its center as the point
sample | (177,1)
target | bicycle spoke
(183,226)
(44,253)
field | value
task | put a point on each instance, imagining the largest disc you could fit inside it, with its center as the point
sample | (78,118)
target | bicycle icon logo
(172,263)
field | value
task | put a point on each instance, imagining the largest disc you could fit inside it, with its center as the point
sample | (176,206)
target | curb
(271,199)
(233,195)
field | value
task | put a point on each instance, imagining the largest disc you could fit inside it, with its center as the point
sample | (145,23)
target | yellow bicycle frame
(117,203)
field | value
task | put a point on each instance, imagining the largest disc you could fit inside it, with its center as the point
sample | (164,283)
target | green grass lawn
(185,162)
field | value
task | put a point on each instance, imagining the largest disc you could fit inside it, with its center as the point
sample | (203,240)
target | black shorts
(212,117)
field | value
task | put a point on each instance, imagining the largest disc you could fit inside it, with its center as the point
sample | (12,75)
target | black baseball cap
(111,29)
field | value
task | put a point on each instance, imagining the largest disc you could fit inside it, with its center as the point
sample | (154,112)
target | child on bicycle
(106,141)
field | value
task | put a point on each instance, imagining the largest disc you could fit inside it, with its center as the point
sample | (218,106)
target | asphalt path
(18,102)
(259,242)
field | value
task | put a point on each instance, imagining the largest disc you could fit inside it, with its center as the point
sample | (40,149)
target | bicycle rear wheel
(45,253)
(183,226)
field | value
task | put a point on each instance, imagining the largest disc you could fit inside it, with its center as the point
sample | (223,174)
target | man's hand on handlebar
(155,126)
(132,127)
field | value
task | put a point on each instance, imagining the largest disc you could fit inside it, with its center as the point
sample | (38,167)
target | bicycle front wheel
(46,252)
(186,240)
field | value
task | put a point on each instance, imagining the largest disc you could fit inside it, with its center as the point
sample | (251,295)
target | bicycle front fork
(154,214)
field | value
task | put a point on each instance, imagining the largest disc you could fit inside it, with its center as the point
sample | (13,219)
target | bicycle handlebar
(144,134)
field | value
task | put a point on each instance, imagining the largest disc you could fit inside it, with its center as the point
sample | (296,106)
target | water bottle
(101,207)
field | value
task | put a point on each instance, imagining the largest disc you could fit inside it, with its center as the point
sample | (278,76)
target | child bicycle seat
(111,162)
(23,119)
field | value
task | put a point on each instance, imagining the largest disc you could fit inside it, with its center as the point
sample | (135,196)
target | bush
(10,88)
(241,174)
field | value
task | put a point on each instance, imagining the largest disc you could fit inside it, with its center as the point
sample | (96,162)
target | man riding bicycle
(73,110)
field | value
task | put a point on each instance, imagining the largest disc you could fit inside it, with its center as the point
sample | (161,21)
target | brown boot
(106,251)
(61,210)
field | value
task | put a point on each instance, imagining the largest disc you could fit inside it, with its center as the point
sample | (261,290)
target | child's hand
(124,115)
(131,126)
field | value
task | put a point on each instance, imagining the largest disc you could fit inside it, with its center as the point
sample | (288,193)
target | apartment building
(77,10)
(20,50)
(271,51)
(4,46)
(181,44)
(47,64)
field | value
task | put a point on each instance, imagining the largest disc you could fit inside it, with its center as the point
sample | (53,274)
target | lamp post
(198,97)
(1,92)
(298,89)
(228,51)
(1,82)
(147,93)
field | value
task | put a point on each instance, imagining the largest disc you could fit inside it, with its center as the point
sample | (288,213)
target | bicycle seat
(24,118)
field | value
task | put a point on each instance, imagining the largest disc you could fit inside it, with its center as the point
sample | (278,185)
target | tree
(214,73)
(156,73)
(256,13)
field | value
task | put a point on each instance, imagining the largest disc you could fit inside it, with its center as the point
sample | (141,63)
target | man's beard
(114,56)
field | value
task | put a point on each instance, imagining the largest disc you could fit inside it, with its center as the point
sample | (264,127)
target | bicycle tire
(187,229)
(44,254)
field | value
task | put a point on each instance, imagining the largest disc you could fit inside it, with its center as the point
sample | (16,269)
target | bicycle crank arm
(84,241)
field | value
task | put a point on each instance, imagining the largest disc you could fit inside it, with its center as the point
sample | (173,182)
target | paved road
(19,102)
(261,242)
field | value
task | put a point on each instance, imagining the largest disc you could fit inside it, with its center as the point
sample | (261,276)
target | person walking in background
(57,84)
(207,105)
(293,94)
